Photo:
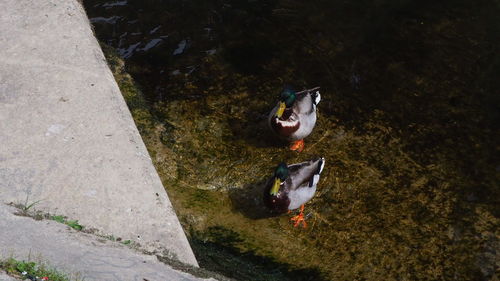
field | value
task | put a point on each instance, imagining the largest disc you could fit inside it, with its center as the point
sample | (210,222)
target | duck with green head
(294,117)
(292,186)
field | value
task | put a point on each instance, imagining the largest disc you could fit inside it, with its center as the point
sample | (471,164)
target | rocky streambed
(408,124)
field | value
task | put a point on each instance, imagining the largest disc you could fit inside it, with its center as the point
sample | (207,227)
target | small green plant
(74,224)
(71,223)
(26,207)
(31,270)
(59,219)
(119,239)
(29,267)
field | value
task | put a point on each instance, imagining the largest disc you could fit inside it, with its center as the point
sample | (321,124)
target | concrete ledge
(79,255)
(5,277)
(67,138)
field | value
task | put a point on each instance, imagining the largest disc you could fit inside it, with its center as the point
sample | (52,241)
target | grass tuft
(31,270)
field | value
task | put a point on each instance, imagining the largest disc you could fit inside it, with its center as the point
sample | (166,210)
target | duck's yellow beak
(276,186)
(281,109)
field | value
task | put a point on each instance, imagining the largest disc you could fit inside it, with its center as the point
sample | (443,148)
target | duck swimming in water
(292,186)
(294,117)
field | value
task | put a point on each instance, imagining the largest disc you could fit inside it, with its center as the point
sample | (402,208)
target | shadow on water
(255,132)
(249,200)
(249,58)
(217,248)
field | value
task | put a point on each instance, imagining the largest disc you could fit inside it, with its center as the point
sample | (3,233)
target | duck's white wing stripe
(317,98)
(314,181)
(322,165)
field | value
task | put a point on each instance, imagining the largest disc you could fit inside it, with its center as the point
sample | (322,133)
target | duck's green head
(280,175)
(287,99)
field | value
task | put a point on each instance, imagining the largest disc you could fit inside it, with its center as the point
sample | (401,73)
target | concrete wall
(67,139)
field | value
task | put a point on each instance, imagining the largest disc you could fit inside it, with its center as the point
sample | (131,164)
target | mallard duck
(292,186)
(294,117)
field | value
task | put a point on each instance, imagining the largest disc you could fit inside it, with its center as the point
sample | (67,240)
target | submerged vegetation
(408,125)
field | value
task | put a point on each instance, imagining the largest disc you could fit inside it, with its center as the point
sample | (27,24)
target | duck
(294,116)
(292,186)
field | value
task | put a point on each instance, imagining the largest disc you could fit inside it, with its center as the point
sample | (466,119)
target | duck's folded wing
(306,173)
(306,99)
(304,104)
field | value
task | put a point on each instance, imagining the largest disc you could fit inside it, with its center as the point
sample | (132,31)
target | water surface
(408,124)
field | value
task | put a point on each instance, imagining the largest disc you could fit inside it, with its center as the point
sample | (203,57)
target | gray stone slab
(77,254)
(67,139)
(5,277)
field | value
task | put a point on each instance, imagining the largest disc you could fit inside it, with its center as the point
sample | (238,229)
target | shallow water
(408,124)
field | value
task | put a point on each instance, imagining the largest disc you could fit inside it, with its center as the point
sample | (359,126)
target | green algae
(410,189)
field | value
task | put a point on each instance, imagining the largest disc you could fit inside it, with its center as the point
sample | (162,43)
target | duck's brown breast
(276,203)
(283,130)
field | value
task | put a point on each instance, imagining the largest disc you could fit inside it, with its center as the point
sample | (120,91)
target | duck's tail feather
(321,165)
(315,178)
(316,96)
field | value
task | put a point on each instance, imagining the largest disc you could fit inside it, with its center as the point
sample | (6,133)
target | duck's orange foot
(298,219)
(297,146)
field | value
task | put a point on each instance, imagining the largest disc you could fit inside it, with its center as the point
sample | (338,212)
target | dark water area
(409,124)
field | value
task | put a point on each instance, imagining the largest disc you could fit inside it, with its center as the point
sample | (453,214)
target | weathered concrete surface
(77,254)
(5,277)
(67,139)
